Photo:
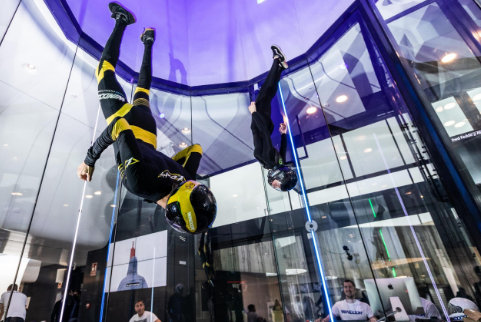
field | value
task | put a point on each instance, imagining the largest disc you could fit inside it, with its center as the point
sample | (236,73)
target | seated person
(350,308)
(430,310)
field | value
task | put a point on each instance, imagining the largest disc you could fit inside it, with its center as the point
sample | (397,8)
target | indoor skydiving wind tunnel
(382,101)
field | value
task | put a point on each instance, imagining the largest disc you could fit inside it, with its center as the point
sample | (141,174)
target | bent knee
(196,148)
(119,125)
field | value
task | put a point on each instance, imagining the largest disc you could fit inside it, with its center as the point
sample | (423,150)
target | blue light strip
(112,222)
(308,213)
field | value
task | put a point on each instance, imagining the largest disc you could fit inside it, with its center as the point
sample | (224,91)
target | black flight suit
(145,171)
(262,126)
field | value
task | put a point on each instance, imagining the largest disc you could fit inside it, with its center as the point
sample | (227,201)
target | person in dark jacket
(146,172)
(280,176)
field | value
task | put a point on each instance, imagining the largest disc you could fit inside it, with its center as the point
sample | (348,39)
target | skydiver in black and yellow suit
(146,172)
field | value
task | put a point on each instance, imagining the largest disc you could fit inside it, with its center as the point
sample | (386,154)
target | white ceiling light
(98,193)
(477,97)
(30,67)
(448,58)
(235,195)
(460,124)
(295,271)
(17,194)
(439,109)
(341,98)
(449,123)
(112,205)
(186,130)
(65,204)
(89,196)
(360,137)
(367,150)
(311,110)
(342,157)
(182,145)
(449,106)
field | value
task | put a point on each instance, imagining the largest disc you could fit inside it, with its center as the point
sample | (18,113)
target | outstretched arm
(86,169)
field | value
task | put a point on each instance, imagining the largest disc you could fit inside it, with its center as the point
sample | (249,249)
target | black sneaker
(148,36)
(120,13)
(276,51)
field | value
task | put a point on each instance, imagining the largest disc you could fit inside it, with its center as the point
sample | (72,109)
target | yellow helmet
(191,208)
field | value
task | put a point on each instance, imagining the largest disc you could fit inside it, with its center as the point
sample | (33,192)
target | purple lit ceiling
(205,42)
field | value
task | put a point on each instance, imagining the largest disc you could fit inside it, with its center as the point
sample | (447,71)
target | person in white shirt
(143,315)
(17,310)
(351,308)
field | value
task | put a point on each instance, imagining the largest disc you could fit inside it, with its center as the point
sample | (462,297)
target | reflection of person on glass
(146,172)
(280,176)
(143,315)
(15,302)
(351,308)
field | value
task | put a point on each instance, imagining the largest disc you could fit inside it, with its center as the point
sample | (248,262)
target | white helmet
(457,305)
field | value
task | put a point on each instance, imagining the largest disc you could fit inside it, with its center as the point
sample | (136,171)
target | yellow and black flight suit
(261,124)
(145,171)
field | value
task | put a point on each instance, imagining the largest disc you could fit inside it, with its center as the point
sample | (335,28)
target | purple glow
(210,42)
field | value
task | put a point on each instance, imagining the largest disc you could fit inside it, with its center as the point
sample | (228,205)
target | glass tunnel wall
(381,212)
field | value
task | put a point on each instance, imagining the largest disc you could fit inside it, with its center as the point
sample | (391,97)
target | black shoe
(276,51)
(148,36)
(120,13)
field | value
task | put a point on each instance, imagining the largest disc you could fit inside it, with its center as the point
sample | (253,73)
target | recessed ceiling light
(89,196)
(367,150)
(295,271)
(65,204)
(477,34)
(341,98)
(5,144)
(449,106)
(235,195)
(17,194)
(448,58)
(477,97)
(342,157)
(112,205)
(98,193)
(161,115)
(460,124)
(186,130)
(408,193)
(439,109)
(182,145)
(311,110)
(324,217)
(30,67)
(449,123)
